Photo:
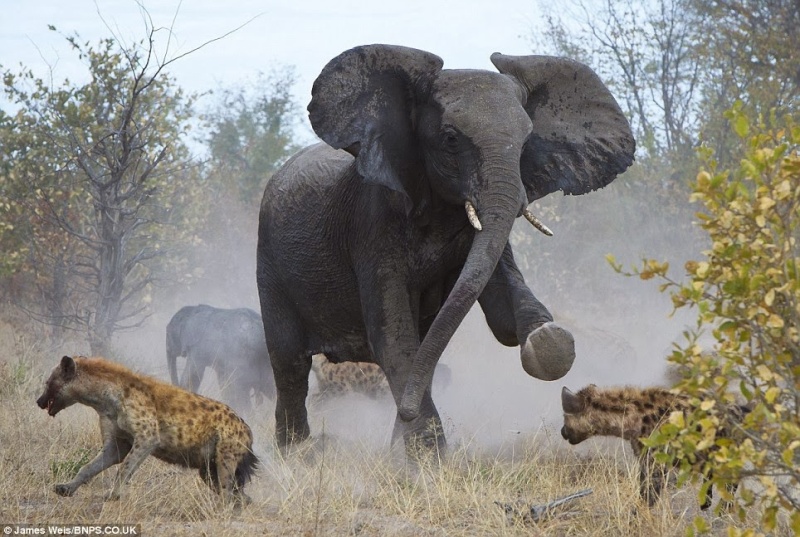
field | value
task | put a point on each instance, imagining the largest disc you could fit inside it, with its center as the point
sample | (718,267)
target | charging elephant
(375,245)
(231,342)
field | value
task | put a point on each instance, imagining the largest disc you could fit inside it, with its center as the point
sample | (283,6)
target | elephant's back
(304,267)
(190,330)
(304,214)
(186,318)
(311,174)
(246,330)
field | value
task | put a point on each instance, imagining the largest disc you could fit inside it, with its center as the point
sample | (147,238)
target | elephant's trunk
(497,209)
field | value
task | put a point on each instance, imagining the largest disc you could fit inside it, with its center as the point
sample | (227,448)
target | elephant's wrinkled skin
(367,253)
(231,342)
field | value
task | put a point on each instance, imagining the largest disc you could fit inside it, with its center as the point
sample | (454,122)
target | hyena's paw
(237,501)
(64,489)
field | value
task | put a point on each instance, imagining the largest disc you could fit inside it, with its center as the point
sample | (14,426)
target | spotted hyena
(338,379)
(631,414)
(141,416)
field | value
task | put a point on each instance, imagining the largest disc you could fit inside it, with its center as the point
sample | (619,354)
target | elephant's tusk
(536,222)
(472,216)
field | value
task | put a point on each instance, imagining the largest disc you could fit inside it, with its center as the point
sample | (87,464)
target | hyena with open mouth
(632,414)
(141,416)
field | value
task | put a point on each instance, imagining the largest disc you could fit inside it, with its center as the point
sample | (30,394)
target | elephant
(231,341)
(375,243)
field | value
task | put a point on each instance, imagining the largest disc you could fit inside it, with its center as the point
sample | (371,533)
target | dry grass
(328,486)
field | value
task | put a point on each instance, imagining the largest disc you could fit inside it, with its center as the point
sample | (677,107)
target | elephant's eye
(450,139)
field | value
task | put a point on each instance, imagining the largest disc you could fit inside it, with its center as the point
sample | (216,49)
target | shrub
(747,294)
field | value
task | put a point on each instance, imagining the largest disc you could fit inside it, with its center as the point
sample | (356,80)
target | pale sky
(303,33)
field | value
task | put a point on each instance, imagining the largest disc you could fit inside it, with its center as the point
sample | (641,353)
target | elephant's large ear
(363,102)
(580,140)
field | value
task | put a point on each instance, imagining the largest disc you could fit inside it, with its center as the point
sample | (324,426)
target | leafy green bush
(747,294)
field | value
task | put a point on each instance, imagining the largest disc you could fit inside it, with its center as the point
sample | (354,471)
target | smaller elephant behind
(230,341)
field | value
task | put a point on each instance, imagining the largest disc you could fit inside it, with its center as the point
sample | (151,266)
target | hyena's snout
(48,402)
(571,436)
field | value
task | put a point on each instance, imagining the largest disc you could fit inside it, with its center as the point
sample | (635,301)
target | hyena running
(339,379)
(631,414)
(141,416)
(343,378)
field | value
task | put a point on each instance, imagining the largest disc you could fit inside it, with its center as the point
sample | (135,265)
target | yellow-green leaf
(707,405)
(741,125)
(764,373)
(788,456)
(769,298)
(676,418)
(775,321)
(772,394)
(766,203)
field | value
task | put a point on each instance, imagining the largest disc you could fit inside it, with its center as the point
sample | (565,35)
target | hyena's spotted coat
(631,414)
(339,379)
(141,416)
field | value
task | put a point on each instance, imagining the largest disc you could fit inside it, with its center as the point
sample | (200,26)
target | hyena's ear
(67,367)
(571,403)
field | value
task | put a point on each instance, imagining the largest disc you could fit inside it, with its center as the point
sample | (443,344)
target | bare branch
(214,40)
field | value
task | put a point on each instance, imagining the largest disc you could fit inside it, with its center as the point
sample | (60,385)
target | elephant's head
(489,142)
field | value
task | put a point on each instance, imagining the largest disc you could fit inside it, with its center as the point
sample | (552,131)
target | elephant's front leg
(423,435)
(291,383)
(516,317)
(193,374)
(394,340)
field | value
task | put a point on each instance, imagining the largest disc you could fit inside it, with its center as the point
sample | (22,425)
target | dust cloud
(622,326)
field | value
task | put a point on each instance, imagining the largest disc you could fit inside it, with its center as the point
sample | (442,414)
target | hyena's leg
(144,444)
(709,494)
(208,473)
(725,504)
(228,454)
(114,450)
(651,479)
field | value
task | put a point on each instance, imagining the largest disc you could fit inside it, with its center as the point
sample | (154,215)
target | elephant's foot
(428,444)
(423,438)
(291,416)
(288,436)
(548,352)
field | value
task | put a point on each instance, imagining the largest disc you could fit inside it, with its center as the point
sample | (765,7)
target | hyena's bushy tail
(246,468)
